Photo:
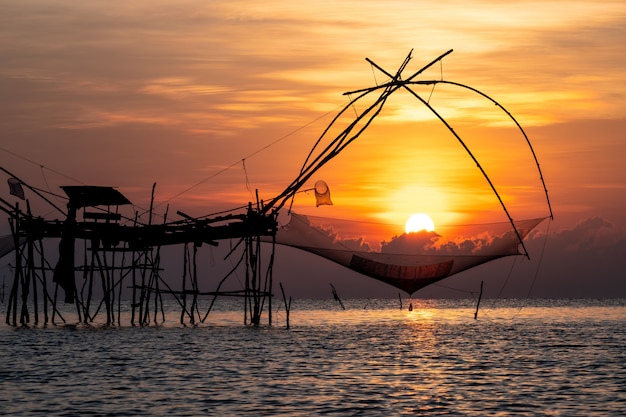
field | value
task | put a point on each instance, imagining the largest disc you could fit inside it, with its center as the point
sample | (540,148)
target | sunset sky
(213,100)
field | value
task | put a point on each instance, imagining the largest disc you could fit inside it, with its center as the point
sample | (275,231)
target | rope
(452,288)
(533,282)
(40,165)
(356,113)
(441,69)
(250,155)
(543,250)
(245,171)
(45,180)
(506,280)
(432,90)
(374,74)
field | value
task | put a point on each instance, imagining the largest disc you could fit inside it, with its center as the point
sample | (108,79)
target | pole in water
(336,296)
(479,297)
(287,304)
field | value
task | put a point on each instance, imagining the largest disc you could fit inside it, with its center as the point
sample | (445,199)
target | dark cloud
(430,243)
(585,261)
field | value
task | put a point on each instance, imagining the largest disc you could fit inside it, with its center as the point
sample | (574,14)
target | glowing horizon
(419,222)
(214,102)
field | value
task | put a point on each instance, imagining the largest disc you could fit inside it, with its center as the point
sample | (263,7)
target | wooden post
(12,307)
(33,277)
(184,294)
(287,304)
(133,278)
(336,296)
(194,284)
(271,275)
(479,297)
(44,283)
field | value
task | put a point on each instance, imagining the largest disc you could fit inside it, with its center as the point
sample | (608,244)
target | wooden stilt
(287,304)
(479,297)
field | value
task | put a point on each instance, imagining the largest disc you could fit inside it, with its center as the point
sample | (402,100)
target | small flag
(322,194)
(15,188)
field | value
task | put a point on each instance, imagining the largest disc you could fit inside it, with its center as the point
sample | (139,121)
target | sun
(419,222)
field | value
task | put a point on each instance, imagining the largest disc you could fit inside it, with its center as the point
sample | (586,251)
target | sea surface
(518,358)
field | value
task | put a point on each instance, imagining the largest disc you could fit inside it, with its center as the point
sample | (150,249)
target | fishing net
(408,261)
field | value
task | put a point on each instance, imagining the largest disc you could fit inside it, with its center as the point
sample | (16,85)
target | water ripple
(566,360)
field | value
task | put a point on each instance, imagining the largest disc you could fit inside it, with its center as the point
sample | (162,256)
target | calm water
(555,358)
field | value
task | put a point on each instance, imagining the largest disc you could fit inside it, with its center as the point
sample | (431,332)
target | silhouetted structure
(120,252)
(117,253)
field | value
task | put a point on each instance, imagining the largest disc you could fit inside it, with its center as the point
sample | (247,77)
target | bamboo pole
(90,278)
(155,271)
(33,277)
(44,283)
(247,305)
(478,303)
(157,294)
(156,263)
(194,284)
(287,304)
(54,302)
(144,291)
(18,266)
(184,294)
(134,277)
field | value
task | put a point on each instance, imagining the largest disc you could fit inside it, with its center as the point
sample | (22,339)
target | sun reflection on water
(371,359)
